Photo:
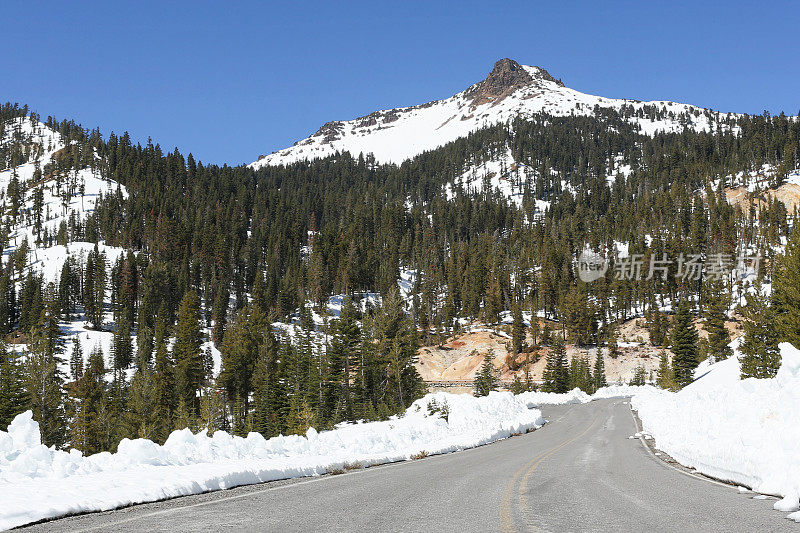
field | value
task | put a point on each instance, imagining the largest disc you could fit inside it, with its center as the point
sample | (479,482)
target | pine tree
(7,302)
(684,346)
(786,291)
(761,357)
(716,308)
(67,289)
(599,372)
(665,379)
(518,331)
(394,346)
(220,314)
(580,376)
(657,326)
(268,396)
(187,353)
(164,395)
(43,385)
(241,349)
(88,405)
(494,300)
(556,372)
(613,346)
(639,377)
(343,356)
(142,409)
(517,385)
(535,330)
(122,348)
(95,280)
(486,380)
(13,397)
(76,359)
(214,412)
(579,316)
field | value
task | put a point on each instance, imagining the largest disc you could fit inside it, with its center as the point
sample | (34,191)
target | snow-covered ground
(37,482)
(743,431)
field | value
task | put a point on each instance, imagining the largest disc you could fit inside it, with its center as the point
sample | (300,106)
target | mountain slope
(510,90)
(39,162)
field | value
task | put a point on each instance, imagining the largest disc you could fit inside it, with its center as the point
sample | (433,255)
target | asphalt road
(580,472)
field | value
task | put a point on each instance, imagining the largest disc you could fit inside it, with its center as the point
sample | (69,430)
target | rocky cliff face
(506,77)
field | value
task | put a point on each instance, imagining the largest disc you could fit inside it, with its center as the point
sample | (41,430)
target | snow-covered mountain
(510,90)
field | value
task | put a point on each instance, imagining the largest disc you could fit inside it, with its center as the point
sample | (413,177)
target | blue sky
(229,83)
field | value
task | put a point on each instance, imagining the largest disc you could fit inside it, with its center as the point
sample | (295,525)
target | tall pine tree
(684,345)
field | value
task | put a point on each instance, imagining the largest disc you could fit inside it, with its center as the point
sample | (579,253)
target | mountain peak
(509,91)
(506,77)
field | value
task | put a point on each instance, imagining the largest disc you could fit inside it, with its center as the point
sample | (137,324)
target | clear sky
(228,81)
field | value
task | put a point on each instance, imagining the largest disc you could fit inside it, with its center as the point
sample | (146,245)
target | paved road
(578,473)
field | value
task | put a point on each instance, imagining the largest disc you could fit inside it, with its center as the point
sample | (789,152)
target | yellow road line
(506,518)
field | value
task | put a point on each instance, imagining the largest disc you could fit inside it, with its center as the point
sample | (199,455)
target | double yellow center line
(506,513)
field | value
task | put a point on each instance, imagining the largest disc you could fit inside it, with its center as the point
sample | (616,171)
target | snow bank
(744,431)
(575,396)
(37,482)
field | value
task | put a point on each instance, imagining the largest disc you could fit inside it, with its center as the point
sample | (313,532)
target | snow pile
(744,431)
(37,482)
(576,395)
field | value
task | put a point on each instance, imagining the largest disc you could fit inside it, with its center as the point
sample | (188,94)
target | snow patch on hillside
(37,482)
(501,174)
(68,199)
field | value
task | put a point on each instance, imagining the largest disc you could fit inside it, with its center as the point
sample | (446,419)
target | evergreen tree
(761,357)
(658,327)
(639,377)
(535,330)
(613,346)
(684,346)
(241,349)
(122,347)
(716,308)
(599,372)
(665,379)
(517,385)
(7,302)
(269,399)
(518,331)
(76,359)
(142,409)
(393,347)
(188,355)
(579,317)
(556,372)
(164,394)
(486,380)
(43,386)
(94,284)
(580,375)
(343,356)
(88,407)
(13,397)
(786,291)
